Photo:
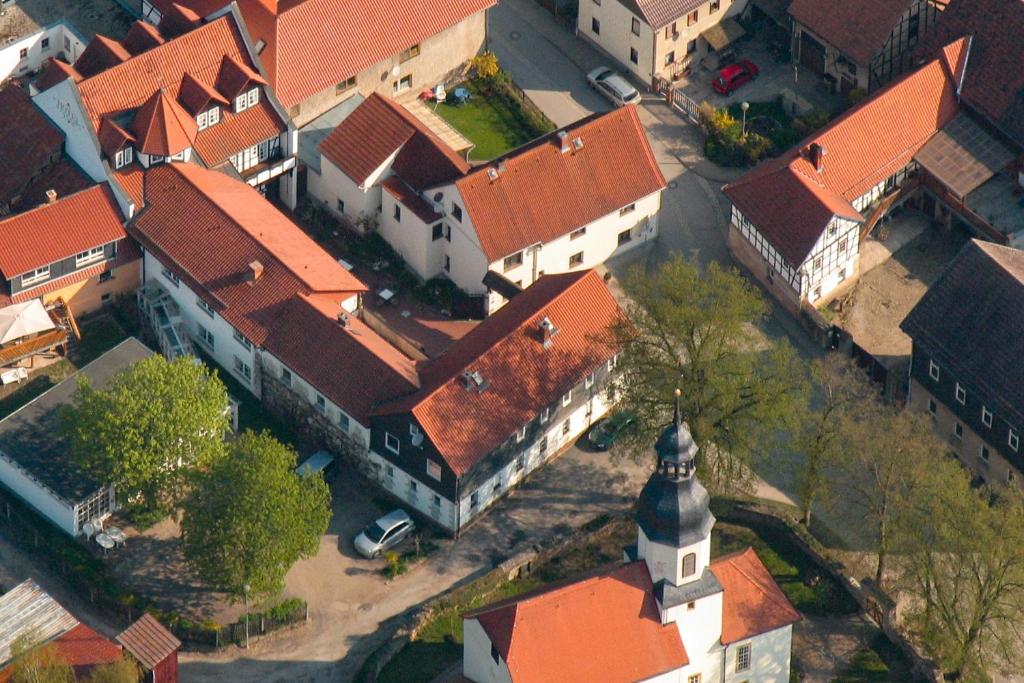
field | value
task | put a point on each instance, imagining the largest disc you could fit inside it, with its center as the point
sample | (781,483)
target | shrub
(396,564)
(810,122)
(485,66)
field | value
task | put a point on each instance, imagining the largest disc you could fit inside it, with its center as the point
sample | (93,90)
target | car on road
(606,432)
(385,533)
(613,86)
(733,76)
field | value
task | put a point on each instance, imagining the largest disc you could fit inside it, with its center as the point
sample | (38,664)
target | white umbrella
(21,320)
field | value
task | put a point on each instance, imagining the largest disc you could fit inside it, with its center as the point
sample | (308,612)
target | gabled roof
(148,641)
(603,628)
(196,96)
(162,127)
(113,137)
(542,193)
(142,36)
(28,607)
(377,129)
(177,20)
(28,141)
(972,322)
(56,231)
(360,34)
(234,76)
(661,13)
(752,602)
(858,28)
(83,648)
(100,54)
(790,203)
(55,71)
(994,82)
(523,377)
(65,178)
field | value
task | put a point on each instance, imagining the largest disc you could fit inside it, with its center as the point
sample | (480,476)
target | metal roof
(27,607)
(963,156)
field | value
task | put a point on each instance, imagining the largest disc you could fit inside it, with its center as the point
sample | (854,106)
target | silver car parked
(384,534)
(613,86)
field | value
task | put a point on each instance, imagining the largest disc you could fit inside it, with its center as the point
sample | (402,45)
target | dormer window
(123,158)
(247,100)
(208,118)
(40,274)
(90,256)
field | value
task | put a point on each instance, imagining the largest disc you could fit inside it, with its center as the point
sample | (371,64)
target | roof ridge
(24,214)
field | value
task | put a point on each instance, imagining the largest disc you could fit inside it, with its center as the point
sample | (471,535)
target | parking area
(88,17)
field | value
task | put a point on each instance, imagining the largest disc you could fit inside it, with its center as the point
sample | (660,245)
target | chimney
(816,153)
(577,143)
(563,140)
(51,196)
(255,271)
(547,331)
(492,173)
(343,319)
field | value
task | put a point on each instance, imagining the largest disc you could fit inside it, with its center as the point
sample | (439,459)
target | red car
(733,76)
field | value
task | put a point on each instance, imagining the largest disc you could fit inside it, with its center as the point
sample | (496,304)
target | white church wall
(700,628)
(769,658)
(478,665)
(666,562)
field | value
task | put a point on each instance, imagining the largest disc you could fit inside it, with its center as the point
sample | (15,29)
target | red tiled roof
(162,127)
(292,308)
(99,55)
(83,648)
(56,71)
(543,193)
(113,137)
(56,231)
(522,375)
(142,36)
(360,34)
(236,132)
(131,179)
(127,252)
(752,602)
(65,178)
(994,83)
(604,628)
(790,203)
(196,96)
(408,197)
(660,13)
(28,142)
(859,28)
(375,130)
(148,641)
(178,20)
(234,77)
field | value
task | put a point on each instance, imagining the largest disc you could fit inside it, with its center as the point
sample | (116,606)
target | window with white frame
(242,369)
(567,398)
(434,470)
(986,416)
(37,275)
(321,404)
(521,434)
(240,338)
(578,233)
(545,415)
(246,100)
(743,657)
(693,678)
(1013,441)
(170,277)
(932,407)
(958,430)
(246,159)
(123,157)
(961,394)
(205,307)
(90,256)
(96,506)
(589,381)
(391,442)
(933,370)
(206,337)
(208,118)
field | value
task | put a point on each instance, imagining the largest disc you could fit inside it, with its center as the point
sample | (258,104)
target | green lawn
(880,662)
(494,123)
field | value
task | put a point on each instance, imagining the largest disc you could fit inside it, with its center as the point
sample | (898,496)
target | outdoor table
(104,541)
(386,295)
(461,95)
(116,535)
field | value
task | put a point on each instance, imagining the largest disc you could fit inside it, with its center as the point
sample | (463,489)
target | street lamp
(245,593)
(744,106)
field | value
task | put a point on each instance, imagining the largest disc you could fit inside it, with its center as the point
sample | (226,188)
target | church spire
(675,448)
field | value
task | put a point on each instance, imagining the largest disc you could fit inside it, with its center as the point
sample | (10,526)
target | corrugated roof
(56,231)
(523,376)
(27,607)
(790,203)
(28,141)
(148,641)
(542,193)
(752,602)
(858,28)
(377,129)
(604,628)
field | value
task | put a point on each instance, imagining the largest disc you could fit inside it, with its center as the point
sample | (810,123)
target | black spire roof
(674,507)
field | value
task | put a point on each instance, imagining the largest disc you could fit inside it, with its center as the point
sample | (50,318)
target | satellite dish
(438,196)
(395,70)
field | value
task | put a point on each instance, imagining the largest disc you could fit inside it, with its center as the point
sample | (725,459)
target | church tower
(673,512)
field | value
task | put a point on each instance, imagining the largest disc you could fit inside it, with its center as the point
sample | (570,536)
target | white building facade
(24,55)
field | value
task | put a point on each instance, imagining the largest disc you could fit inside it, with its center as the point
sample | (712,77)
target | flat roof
(963,156)
(31,436)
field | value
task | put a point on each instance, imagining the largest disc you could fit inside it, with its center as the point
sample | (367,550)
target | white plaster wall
(399,482)
(331,184)
(12,65)
(700,629)
(666,561)
(769,658)
(63,106)
(45,501)
(468,263)
(410,236)
(836,266)
(768,253)
(616,37)
(225,346)
(667,41)
(477,663)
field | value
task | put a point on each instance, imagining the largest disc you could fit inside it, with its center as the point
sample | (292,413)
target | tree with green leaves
(963,567)
(485,66)
(695,331)
(154,425)
(38,662)
(842,390)
(123,670)
(251,517)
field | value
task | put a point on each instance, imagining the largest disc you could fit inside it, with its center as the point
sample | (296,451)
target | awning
(722,34)
(21,320)
(963,156)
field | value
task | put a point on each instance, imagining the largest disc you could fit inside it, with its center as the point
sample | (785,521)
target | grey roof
(963,155)
(316,130)
(674,511)
(27,607)
(31,436)
(971,321)
(671,596)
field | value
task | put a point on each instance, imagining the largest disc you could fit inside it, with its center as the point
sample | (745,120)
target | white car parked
(384,534)
(613,86)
